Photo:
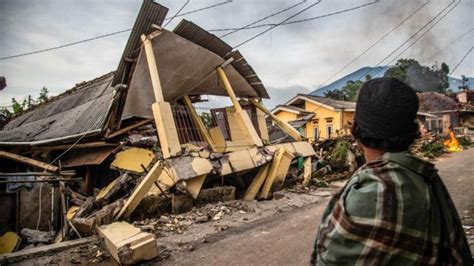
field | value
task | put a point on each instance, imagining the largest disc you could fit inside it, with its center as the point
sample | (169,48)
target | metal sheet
(94,156)
(150,13)
(83,109)
(184,68)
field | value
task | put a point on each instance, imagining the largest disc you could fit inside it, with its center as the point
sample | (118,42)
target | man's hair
(392,144)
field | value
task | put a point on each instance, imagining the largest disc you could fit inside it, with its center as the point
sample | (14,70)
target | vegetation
(349,92)
(465,142)
(19,107)
(338,155)
(421,78)
(432,150)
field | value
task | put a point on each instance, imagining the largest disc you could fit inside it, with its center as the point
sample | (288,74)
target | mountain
(377,72)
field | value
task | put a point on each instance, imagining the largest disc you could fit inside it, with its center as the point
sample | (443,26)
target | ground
(280,231)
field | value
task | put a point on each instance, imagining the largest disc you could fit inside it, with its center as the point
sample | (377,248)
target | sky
(290,59)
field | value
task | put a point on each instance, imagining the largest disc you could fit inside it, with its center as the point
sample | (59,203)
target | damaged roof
(81,110)
(186,60)
(436,102)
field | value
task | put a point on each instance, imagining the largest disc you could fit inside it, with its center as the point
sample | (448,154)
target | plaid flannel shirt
(395,211)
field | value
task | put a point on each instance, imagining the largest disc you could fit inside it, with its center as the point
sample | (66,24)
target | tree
(5,117)
(419,77)
(43,96)
(349,92)
(17,107)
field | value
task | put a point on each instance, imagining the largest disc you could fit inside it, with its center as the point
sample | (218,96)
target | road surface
(287,238)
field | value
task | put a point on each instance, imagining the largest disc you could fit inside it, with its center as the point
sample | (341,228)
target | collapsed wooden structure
(74,135)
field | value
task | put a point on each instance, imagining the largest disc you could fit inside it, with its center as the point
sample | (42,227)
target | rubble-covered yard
(129,168)
(130,157)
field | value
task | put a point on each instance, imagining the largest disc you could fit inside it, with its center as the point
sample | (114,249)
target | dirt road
(287,238)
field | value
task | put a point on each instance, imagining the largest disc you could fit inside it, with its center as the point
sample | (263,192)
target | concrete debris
(127,244)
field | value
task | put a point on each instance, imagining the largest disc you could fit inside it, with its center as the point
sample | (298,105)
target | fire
(452,143)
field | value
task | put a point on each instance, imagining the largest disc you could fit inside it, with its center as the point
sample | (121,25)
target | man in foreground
(395,209)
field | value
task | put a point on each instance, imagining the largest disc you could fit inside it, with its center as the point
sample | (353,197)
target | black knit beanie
(386,109)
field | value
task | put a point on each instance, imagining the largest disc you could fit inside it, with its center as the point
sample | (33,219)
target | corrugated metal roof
(198,35)
(331,102)
(150,13)
(83,109)
(242,66)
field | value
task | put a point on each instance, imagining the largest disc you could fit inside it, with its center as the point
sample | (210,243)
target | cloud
(289,59)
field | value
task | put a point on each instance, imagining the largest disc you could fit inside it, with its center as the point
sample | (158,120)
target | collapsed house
(90,155)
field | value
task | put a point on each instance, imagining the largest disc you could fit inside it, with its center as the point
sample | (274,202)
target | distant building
(331,117)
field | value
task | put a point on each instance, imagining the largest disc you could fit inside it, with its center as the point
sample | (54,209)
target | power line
(409,38)
(262,19)
(278,24)
(424,33)
(299,21)
(177,13)
(376,42)
(462,60)
(455,40)
(105,35)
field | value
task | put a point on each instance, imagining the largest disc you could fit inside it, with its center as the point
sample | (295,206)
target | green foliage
(18,107)
(206,119)
(5,116)
(338,155)
(432,150)
(349,92)
(43,96)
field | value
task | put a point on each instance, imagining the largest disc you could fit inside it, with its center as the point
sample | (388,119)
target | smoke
(395,12)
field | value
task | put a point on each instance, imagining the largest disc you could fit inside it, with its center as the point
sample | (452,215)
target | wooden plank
(140,191)
(38,251)
(307,171)
(194,185)
(284,126)
(282,171)
(217,138)
(272,172)
(152,67)
(237,133)
(256,184)
(167,133)
(28,161)
(133,159)
(128,128)
(94,156)
(262,126)
(244,120)
(197,119)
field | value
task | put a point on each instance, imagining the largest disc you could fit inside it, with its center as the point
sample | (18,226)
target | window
(316,133)
(329,130)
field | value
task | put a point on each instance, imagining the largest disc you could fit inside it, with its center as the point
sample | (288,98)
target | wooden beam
(28,161)
(244,120)
(140,191)
(42,250)
(166,128)
(128,128)
(277,172)
(284,126)
(257,183)
(262,126)
(307,171)
(282,171)
(94,144)
(153,68)
(202,128)
(194,185)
